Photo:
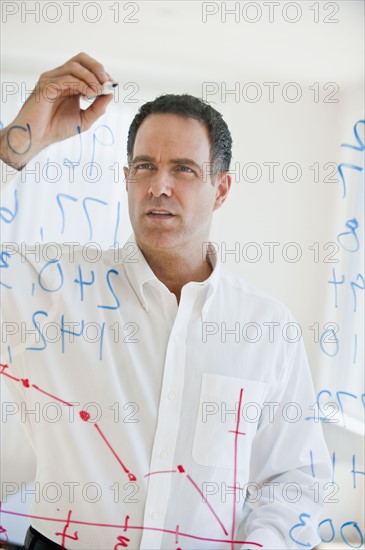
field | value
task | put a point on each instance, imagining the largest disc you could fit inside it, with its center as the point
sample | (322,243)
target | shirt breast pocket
(229,412)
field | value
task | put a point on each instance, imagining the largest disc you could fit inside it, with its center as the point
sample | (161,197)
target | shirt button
(171,395)
(154,515)
(163,454)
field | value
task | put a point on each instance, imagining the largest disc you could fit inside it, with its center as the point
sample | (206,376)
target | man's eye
(144,166)
(183,168)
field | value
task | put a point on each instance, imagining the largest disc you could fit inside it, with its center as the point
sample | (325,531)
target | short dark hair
(188,106)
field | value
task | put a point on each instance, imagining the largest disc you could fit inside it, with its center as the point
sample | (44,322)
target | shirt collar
(139,274)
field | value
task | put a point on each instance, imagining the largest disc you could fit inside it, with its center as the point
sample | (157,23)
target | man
(168,435)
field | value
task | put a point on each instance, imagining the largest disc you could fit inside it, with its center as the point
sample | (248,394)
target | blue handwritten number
(101,142)
(332,340)
(6,214)
(338,394)
(336,282)
(58,199)
(5,264)
(71,332)
(111,290)
(340,171)
(83,283)
(117,225)
(352,225)
(324,418)
(328,520)
(356,133)
(39,312)
(360,286)
(301,524)
(87,213)
(357,528)
(51,262)
(68,162)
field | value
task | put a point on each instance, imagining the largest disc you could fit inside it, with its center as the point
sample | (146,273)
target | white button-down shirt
(158,425)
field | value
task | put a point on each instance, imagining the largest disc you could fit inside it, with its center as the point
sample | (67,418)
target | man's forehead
(177,132)
(171,122)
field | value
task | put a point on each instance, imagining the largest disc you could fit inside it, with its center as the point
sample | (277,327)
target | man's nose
(160,184)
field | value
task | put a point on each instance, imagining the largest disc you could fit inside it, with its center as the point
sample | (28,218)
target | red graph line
(161,472)
(131,476)
(181,469)
(209,505)
(53,396)
(64,532)
(135,527)
(236,434)
(2,371)
(83,414)
(125,527)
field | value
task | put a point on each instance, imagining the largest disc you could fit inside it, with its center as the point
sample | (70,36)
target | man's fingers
(92,65)
(73,76)
(92,113)
(66,85)
(81,68)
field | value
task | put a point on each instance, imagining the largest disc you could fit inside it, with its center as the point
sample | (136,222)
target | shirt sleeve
(290,463)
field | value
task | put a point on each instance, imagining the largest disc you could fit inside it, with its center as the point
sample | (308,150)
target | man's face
(171,194)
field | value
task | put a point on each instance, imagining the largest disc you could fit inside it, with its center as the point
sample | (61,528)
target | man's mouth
(159,214)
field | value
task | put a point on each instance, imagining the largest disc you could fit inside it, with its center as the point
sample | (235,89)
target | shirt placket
(162,467)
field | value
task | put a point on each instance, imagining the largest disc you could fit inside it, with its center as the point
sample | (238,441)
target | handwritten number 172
(61,197)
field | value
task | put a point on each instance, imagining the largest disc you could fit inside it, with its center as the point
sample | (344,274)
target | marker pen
(108,87)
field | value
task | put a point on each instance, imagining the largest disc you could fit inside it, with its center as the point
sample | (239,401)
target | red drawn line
(136,527)
(25,383)
(209,506)
(84,415)
(161,472)
(64,532)
(3,531)
(131,476)
(126,523)
(236,433)
(177,535)
(2,371)
(181,470)
(12,377)
(51,395)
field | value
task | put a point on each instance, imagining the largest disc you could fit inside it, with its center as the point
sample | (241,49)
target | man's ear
(222,185)
(126,175)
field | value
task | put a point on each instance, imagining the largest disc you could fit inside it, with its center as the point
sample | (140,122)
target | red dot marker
(25,382)
(84,415)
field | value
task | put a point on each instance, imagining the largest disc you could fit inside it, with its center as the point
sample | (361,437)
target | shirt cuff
(8,173)
(268,539)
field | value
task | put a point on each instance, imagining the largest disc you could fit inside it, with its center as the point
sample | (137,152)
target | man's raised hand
(52,112)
